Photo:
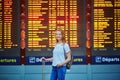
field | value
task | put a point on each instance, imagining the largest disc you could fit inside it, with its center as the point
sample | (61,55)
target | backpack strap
(64,50)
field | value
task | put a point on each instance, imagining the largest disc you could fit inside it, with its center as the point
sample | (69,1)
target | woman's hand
(43,58)
(60,65)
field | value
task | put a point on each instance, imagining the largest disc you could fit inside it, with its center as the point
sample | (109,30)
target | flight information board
(44,16)
(106,25)
(9,28)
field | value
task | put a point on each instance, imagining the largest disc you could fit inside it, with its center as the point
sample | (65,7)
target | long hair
(63,35)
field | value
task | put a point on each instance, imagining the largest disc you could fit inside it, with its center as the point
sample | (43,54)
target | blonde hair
(63,35)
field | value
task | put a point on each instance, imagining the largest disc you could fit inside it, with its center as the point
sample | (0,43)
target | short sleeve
(67,48)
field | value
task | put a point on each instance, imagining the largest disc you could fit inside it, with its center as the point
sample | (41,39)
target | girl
(59,60)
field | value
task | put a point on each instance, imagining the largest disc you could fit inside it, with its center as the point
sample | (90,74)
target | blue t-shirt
(59,53)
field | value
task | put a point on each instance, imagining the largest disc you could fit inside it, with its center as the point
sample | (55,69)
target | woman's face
(58,35)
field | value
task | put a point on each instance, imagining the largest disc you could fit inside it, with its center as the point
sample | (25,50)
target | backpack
(68,65)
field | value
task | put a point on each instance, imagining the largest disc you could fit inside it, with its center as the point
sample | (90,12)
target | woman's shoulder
(66,44)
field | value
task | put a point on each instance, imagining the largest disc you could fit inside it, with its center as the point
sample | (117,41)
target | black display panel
(45,16)
(106,27)
(9,28)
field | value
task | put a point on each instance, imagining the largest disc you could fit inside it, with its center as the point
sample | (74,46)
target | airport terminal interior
(27,33)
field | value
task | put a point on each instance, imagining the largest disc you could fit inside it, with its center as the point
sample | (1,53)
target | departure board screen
(106,25)
(44,16)
(9,28)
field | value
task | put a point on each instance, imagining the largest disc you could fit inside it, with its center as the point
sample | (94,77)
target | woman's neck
(60,42)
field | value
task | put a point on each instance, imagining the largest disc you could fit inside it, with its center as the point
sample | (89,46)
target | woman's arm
(47,59)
